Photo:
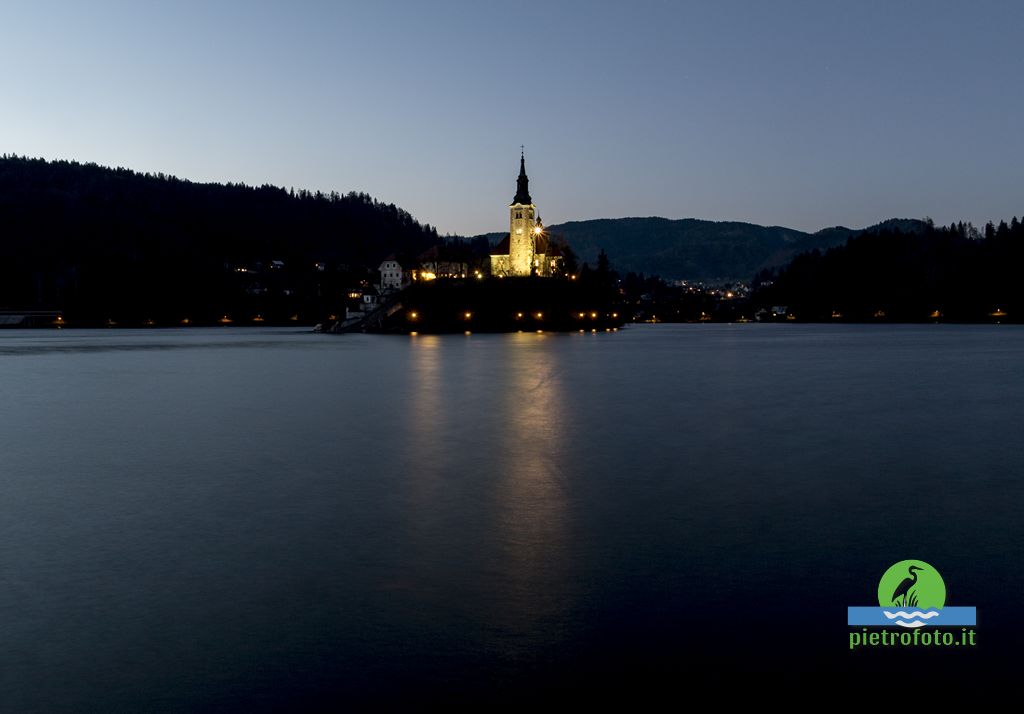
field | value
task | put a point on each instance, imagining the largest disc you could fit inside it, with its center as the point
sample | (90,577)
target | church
(527,249)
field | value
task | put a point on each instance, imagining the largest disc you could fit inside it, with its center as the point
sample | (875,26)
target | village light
(519,316)
(538,230)
(539,315)
(593,316)
(467,315)
(413,315)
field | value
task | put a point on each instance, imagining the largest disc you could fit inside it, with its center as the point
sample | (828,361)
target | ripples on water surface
(236,519)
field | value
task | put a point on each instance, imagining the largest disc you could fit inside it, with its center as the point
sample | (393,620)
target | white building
(391,274)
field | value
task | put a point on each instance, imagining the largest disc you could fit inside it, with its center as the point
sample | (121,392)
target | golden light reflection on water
(427,415)
(531,481)
(485,422)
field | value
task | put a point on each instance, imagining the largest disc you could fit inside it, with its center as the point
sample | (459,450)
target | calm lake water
(232,519)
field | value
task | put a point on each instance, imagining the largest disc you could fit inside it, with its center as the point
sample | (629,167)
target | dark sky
(804,114)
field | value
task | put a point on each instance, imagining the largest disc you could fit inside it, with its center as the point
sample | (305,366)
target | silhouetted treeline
(954,273)
(101,243)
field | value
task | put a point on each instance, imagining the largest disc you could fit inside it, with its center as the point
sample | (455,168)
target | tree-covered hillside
(113,243)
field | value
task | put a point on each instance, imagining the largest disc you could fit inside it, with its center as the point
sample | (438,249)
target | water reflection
(530,484)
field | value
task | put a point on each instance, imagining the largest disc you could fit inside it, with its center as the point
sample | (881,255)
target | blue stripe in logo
(911,617)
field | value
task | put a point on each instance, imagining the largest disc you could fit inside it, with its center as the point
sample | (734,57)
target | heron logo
(911,594)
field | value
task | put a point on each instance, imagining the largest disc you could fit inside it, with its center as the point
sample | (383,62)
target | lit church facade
(527,249)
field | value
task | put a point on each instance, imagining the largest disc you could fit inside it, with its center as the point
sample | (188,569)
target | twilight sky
(803,114)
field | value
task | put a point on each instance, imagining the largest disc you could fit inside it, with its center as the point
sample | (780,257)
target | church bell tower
(522,221)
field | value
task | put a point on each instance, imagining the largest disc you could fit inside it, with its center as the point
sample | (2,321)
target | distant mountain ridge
(694,249)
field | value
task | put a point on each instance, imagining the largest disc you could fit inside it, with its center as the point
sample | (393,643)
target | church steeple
(523,183)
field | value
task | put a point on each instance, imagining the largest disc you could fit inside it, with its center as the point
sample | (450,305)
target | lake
(247,519)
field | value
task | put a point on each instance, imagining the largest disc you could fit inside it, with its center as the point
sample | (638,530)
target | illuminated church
(527,250)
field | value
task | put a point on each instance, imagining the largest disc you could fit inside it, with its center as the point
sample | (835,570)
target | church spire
(523,183)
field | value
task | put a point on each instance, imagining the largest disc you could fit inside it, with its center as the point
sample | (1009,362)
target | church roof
(541,245)
(501,247)
(522,184)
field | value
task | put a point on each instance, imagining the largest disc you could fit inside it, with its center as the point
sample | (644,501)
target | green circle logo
(912,584)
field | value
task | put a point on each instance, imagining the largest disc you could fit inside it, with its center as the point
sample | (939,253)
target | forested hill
(98,239)
(939,273)
(695,249)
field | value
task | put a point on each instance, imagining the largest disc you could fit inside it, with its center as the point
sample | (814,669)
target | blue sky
(804,114)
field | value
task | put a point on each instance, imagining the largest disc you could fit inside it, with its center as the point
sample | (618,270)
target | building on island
(439,261)
(392,277)
(527,249)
